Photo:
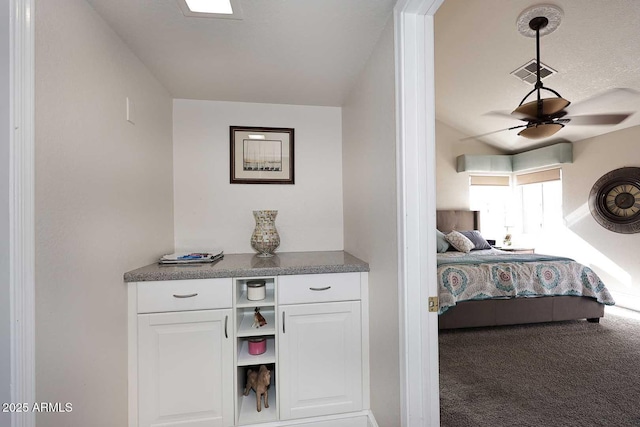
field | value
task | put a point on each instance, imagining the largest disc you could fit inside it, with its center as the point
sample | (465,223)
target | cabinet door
(185,369)
(320,359)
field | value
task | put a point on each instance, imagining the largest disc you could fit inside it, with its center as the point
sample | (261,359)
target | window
(540,200)
(530,209)
(492,196)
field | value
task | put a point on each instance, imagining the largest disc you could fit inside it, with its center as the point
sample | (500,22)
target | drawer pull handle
(226,320)
(185,296)
(283,330)
(326,288)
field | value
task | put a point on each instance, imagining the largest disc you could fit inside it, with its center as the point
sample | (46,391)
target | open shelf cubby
(247,405)
(246,410)
(241,293)
(269,300)
(246,359)
(246,329)
(250,415)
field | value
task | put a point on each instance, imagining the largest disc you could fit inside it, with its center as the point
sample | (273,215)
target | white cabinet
(320,359)
(189,357)
(181,353)
(185,369)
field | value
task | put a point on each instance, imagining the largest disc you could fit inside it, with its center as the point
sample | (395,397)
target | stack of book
(191,257)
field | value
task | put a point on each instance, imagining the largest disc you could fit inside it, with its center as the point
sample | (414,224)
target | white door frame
(415,101)
(21,210)
(415,118)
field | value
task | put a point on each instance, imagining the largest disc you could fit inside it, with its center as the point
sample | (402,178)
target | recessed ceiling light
(210,6)
(225,9)
(256,137)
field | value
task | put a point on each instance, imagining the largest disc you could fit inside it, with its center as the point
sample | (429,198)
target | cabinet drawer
(310,288)
(182,295)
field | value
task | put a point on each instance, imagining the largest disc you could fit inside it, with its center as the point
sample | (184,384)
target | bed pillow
(478,241)
(460,241)
(443,245)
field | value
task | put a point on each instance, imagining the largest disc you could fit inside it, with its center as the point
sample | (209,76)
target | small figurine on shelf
(259,382)
(258,319)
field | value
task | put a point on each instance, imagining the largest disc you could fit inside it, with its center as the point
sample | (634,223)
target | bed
(489,287)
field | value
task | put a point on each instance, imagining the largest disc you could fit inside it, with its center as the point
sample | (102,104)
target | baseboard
(371,420)
(624,300)
(353,419)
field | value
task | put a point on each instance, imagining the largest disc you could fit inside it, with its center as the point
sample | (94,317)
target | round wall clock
(614,200)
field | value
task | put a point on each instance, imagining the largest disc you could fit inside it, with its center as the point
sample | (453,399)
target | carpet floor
(556,374)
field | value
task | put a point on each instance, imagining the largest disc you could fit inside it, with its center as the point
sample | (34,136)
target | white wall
(212,213)
(103,206)
(369,168)
(452,188)
(613,256)
(5,129)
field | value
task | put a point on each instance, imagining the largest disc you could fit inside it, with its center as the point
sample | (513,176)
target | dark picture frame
(261,155)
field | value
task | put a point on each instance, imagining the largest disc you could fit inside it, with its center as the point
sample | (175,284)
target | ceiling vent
(527,72)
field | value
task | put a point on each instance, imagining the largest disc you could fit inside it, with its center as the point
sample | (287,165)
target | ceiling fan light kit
(549,106)
(542,130)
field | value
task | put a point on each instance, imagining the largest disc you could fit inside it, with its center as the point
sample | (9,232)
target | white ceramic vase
(265,238)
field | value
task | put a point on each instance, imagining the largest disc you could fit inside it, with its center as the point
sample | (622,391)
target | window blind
(497,180)
(536,177)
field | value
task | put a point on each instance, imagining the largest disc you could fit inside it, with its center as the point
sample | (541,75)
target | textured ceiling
(596,48)
(282,51)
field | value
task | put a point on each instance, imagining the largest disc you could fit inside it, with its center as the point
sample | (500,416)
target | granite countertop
(249,265)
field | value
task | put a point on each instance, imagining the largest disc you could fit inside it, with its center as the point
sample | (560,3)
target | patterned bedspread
(491,273)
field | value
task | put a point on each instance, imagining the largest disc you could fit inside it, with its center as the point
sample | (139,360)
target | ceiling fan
(546,116)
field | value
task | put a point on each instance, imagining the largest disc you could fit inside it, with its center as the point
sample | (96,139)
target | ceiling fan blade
(509,115)
(611,97)
(491,133)
(599,119)
(560,114)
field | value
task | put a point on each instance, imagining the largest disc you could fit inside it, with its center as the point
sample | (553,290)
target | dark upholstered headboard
(457,220)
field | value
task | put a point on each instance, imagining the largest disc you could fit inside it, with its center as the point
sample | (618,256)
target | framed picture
(261,155)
